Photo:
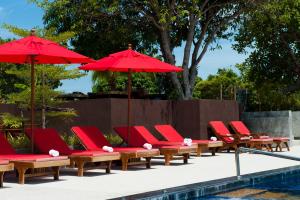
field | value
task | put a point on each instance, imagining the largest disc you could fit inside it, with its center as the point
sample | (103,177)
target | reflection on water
(276,190)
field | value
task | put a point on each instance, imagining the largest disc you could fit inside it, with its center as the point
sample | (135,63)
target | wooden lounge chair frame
(212,146)
(279,142)
(79,161)
(167,149)
(23,166)
(234,145)
(4,168)
(127,157)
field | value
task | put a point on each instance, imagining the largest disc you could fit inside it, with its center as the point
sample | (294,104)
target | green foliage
(19,141)
(113,139)
(72,140)
(10,121)
(102,27)
(210,88)
(48,78)
(272,34)
(267,95)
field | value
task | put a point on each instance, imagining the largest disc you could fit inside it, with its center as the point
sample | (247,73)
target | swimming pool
(275,184)
(288,189)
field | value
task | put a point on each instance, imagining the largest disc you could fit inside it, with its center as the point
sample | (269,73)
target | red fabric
(47,139)
(31,157)
(221,131)
(44,52)
(130,60)
(93,153)
(133,149)
(205,141)
(5,147)
(240,128)
(169,133)
(262,140)
(139,135)
(3,162)
(91,137)
(281,139)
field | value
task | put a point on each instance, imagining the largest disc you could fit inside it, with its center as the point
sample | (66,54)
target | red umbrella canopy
(129,60)
(44,52)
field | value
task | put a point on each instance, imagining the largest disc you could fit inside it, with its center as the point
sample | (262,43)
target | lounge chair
(47,139)
(23,162)
(139,135)
(234,140)
(4,167)
(93,139)
(241,129)
(172,135)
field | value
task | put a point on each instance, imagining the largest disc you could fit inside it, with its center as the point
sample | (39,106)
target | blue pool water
(288,189)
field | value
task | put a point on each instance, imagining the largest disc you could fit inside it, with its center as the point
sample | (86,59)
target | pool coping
(215,186)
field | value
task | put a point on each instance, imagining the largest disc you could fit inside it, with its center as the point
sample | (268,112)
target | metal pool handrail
(243,149)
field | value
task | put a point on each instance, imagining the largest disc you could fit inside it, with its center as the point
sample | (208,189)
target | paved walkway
(97,185)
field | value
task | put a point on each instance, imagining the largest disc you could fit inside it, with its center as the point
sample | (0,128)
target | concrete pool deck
(98,185)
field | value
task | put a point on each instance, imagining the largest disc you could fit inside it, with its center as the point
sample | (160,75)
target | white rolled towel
(108,149)
(187,142)
(213,139)
(53,153)
(147,146)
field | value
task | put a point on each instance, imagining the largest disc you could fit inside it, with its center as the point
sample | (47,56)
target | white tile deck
(98,185)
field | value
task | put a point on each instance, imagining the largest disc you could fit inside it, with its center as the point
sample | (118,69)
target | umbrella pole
(129,105)
(32,101)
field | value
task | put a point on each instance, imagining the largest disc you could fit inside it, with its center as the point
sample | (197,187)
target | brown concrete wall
(190,118)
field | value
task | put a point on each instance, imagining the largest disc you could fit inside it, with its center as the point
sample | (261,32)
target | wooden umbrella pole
(32,101)
(129,105)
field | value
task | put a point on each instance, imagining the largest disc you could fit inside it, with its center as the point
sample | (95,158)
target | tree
(107,26)
(222,85)
(7,81)
(48,78)
(272,33)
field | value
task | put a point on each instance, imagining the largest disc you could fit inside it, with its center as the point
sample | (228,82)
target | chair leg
(287,146)
(108,167)
(148,162)
(1,179)
(55,173)
(213,151)
(21,173)
(80,165)
(168,158)
(185,158)
(199,151)
(125,163)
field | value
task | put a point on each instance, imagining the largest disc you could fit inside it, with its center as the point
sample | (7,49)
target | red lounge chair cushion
(262,140)
(139,135)
(205,141)
(5,147)
(91,137)
(31,157)
(133,149)
(47,139)
(221,131)
(169,133)
(3,162)
(240,128)
(281,139)
(93,153)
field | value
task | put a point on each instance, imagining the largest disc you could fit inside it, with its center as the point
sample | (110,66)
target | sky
(27,15)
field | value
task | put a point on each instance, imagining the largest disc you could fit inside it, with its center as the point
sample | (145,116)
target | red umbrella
(130,61)
(35,50)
